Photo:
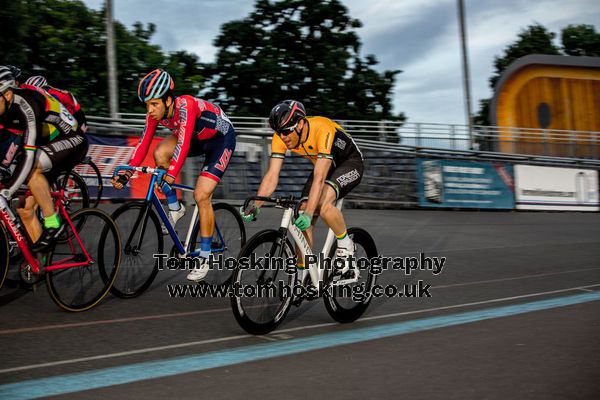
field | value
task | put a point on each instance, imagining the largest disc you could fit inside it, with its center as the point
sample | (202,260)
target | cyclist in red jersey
(198,127)
(65,97)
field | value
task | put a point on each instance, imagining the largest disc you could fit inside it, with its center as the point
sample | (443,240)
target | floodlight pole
(465,64)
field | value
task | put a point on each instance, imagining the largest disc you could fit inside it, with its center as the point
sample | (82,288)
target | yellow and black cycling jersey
(326,139)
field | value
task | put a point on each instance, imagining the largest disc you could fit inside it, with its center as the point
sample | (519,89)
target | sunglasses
(288,131)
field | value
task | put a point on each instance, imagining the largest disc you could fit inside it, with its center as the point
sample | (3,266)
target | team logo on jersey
(10,154)
(340,143)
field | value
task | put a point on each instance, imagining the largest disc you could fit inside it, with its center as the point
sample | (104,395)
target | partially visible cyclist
(338,168)
(198,127)
(64,96)
(16,71)
(50,141)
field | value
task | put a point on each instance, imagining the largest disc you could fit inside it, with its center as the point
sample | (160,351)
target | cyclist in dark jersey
(65,97)
(338,168)
(198,127)
(50,141)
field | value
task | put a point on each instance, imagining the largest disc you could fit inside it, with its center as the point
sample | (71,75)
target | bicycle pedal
(347,278)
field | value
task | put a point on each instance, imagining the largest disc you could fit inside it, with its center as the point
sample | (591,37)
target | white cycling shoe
(198,273)
(175,216)
(344,253)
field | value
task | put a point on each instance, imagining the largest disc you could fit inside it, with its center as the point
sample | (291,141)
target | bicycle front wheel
(4,254)
(228,238)
(260,299)
(349,302)
(81,287)
(142,238)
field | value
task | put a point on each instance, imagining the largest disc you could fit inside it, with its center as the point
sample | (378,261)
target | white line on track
(279,332)
(216,310)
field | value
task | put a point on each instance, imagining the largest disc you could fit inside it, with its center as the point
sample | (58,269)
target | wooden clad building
(558,94)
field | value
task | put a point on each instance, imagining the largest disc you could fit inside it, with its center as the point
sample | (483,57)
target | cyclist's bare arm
(319,174)
(270,180)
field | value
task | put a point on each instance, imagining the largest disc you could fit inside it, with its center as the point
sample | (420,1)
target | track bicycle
(273,286)
(141,224)
(79,269)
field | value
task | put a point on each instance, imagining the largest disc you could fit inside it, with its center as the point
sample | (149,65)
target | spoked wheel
(349,302)
(142,238)
(228,238)
(259,305)
(79,288)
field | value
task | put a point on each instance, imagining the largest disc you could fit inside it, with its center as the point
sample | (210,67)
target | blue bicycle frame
(152,198)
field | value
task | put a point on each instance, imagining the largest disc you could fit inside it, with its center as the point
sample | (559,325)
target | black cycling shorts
(342,178)
(217,150)
(65,154)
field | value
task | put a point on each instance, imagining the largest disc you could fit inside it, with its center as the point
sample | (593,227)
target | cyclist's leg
(51,160)
(40,189)
(219,151)
(163,152)
(162,157)
(338,184)
(28,214)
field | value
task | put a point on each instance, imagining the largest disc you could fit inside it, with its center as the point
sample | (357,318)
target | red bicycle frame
(12,224)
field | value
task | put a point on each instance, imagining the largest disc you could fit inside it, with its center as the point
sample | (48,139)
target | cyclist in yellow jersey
(338,168)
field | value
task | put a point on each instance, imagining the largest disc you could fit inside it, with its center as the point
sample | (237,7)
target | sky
(419,37)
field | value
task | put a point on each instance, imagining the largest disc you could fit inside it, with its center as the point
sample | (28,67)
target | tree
(304,50)
(580,40)
(535,39)
(577,40)
(66,42)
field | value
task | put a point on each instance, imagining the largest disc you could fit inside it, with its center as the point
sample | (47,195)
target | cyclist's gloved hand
(303,221)
(249,213)
(121,180)
(165,184)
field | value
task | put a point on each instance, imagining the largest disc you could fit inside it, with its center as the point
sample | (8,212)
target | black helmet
(286,114)
(15,71)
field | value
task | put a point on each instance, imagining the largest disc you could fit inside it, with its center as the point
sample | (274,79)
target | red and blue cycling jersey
(193,119)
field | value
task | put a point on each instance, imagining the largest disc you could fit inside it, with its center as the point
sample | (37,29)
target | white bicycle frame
(316,271)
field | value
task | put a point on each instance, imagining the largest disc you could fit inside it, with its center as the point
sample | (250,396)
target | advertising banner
(550,188)
(464,184)
(108,152)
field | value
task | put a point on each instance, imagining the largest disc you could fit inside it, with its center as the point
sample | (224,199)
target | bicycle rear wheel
(259,305)
(228,238)
(142,238)
(95,181)
(77,195)
(81,288)
(349,302)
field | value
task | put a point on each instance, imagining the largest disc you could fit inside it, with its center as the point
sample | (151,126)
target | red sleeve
(140,151)
(186,112)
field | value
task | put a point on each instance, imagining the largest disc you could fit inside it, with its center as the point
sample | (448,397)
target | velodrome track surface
(515,313)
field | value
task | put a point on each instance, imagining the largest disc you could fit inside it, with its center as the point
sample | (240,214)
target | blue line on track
(163,368)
